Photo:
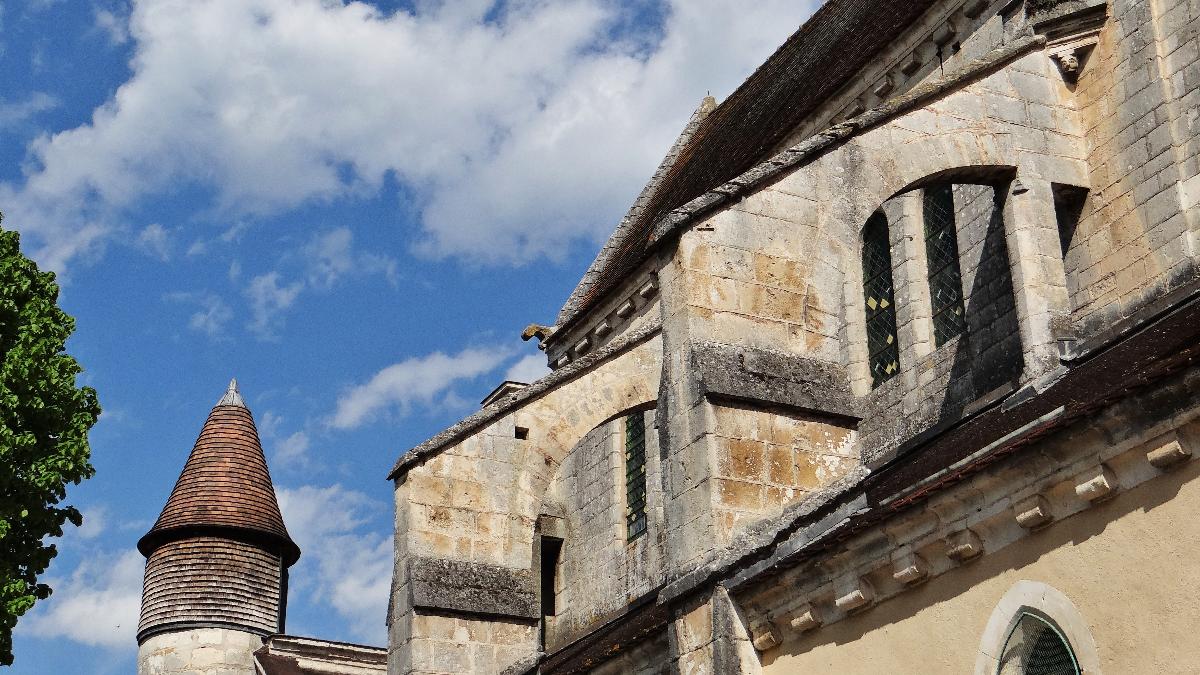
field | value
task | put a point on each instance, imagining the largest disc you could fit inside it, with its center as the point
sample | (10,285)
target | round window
(1036,647)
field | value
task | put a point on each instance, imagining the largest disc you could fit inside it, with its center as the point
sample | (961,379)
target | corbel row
(908,567)
(614,320)
(954,28)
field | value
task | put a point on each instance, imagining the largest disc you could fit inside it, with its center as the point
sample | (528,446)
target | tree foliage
(44,423)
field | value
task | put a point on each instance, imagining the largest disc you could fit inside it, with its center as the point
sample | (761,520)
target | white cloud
(343,564)
(332,254)
(417,380)
(113,25)
(212,315)
(19,112)
(293,449)
(154,240)
(529,369)
(511,151)
(268,301)
(97,605)
(95,523)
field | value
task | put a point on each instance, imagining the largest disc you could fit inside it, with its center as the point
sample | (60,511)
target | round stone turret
(217,558)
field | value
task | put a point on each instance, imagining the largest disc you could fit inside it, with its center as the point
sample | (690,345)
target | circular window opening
(1036,647)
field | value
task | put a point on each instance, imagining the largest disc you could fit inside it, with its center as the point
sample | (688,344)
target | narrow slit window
(945,276)
(880,297)
(551,551)
(635,475)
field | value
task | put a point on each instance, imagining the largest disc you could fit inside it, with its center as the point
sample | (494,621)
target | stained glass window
(945,277)
(882,347)
(635,475)
(1036,647)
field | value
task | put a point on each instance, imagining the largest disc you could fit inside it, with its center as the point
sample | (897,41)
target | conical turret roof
(225,486)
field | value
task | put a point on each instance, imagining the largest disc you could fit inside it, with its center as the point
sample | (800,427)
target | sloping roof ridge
(835,41)
(624,228)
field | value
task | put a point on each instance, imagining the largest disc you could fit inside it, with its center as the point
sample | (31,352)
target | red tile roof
(225,486)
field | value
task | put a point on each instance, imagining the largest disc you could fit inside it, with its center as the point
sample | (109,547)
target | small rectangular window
(945,276)
(635,475)
(551,549)
(883,351)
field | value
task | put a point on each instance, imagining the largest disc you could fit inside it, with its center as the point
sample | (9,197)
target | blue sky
(354,208)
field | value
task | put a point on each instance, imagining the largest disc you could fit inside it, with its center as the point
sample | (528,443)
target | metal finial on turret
(232,395)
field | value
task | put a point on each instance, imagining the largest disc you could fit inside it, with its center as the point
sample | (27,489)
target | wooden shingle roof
(225,487)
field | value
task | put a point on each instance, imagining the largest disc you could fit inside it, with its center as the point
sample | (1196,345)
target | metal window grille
(945,277)
(1036,647)
(882,347)
(635,475)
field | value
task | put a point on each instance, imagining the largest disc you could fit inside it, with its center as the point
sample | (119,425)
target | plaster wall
(1124,564)
(202,651)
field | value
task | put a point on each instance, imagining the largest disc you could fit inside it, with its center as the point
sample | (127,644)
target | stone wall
(466,514)
(767,459)
(600,571)
(200,651)
(1137,98)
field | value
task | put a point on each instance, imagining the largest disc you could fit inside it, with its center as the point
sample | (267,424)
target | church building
(891,368)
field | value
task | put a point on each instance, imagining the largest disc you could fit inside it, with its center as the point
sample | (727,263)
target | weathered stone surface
(1033,512)
(774,377)
(471,587)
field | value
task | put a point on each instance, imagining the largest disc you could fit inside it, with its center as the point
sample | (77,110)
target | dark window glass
(551,549)
(635,475)
(1035,647)
(882,348)
(945,277)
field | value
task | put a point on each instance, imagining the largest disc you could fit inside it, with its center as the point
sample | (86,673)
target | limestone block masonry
(203,651)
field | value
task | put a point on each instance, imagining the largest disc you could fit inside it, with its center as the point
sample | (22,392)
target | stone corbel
(1096,484)
(1070,54)
(1033,512)
(763,634)
(1071,34)
(909,568)
(854,593)
(963,546)
(804,618)
(1168,451)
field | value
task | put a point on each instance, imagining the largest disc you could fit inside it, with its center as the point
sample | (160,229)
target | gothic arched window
(883,351)
(1036,647)
(941,252)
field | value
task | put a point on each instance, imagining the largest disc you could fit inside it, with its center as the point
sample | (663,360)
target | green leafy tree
(44,423)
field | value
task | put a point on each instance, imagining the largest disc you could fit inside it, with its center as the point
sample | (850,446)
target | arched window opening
(1037,647)
(635,475)
(883,350)
(945,276)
